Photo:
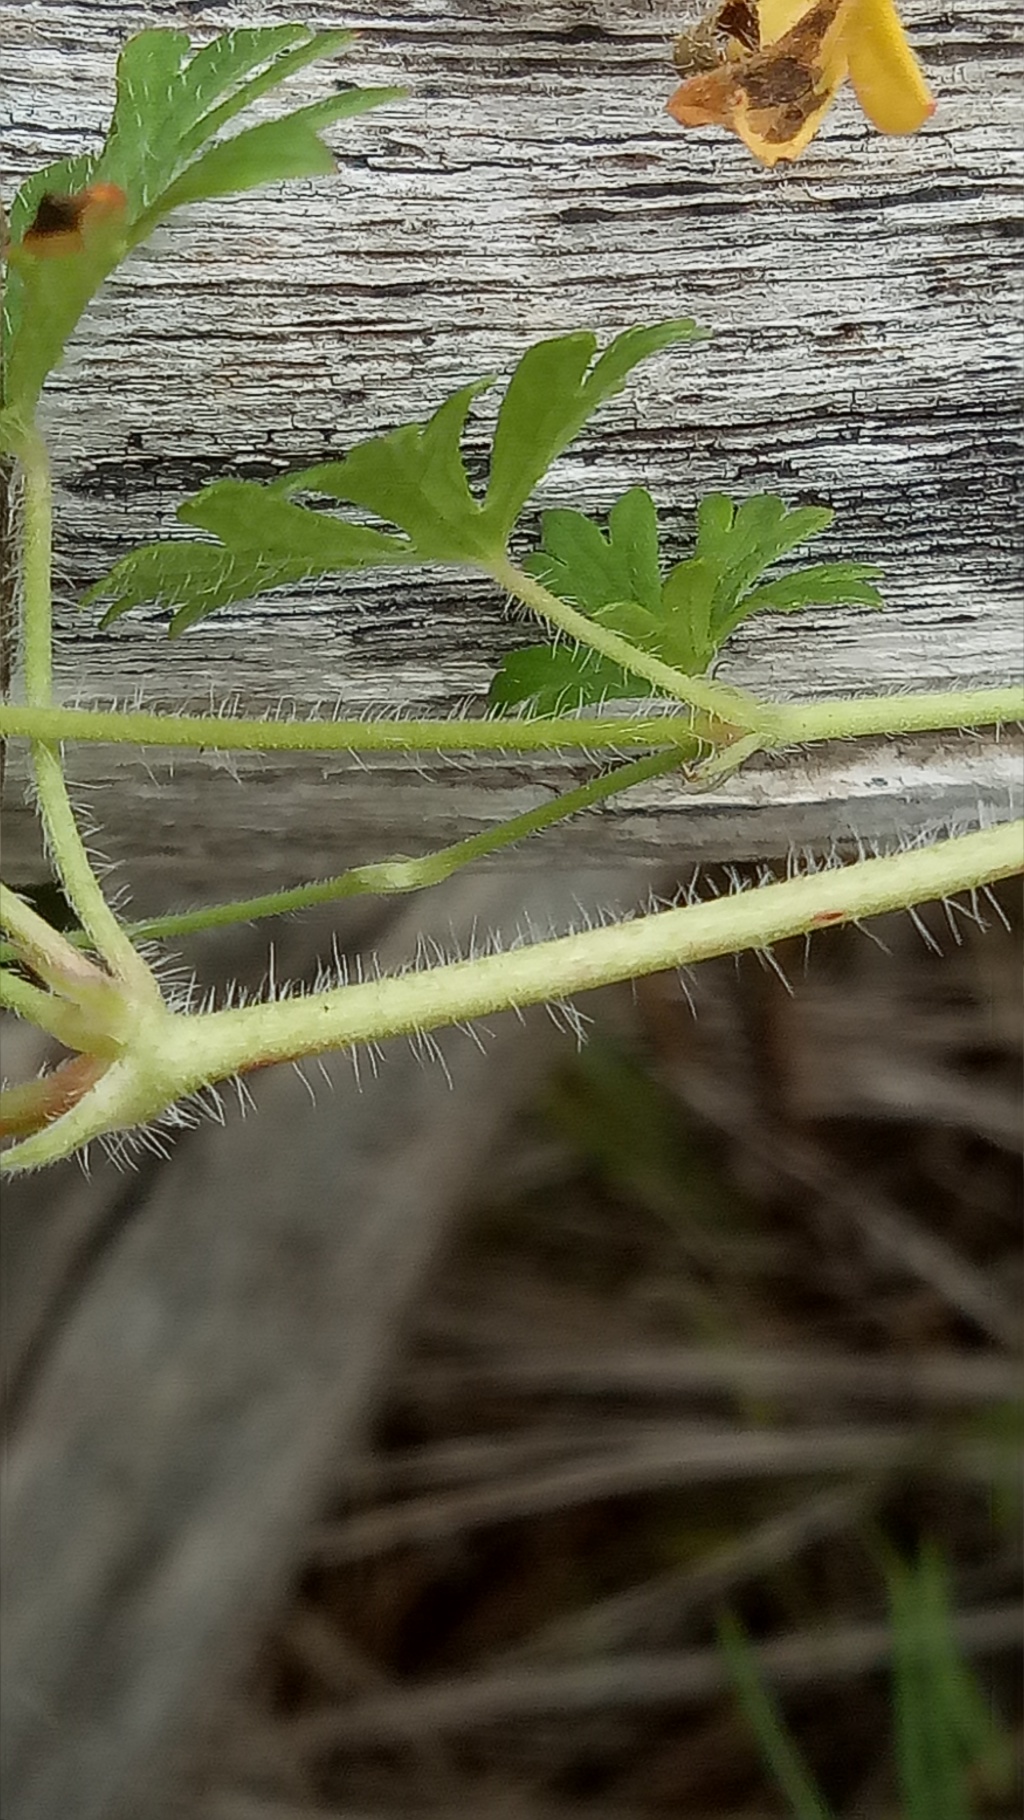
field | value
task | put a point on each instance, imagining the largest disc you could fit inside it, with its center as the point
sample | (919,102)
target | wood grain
(864,309)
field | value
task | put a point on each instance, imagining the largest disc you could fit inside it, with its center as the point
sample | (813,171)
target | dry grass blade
(943,1380)
(656,1462)
(657,1611)
(621,1683)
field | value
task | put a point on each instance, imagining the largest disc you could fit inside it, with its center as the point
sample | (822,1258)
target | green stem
(629,950)
(401,875)
(786,724)
(730,705)
(210,732)
(173,1054)
(48,953)
(80,884)
(801,723)
(43,1009)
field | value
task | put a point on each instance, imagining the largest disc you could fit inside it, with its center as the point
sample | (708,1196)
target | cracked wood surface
(865,353)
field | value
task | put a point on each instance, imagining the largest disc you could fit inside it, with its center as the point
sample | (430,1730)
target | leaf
(685,618)
(558,679)
(265,542)
(193,578)
(823,584)
(549,399)
(168,107)
(413,477)
(290,147)
(43,300)
(247,517)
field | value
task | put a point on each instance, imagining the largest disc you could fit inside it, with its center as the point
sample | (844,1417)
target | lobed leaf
(415,478)
(264,543)
(169,105)
(192,578)
(246,517)
(290,147)
(558,679)
(552,393)
(686,617)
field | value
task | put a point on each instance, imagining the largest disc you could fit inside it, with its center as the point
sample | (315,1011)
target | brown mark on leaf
(61,223)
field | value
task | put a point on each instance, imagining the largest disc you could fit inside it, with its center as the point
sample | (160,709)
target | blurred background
(660,1459)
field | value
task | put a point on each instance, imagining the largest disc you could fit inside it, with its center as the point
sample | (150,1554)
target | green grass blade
(764,1715)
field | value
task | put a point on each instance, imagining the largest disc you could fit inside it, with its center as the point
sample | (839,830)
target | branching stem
(785,724)
(169,1055)
(81,886)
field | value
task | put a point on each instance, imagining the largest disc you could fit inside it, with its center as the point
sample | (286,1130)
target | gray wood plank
(865,353)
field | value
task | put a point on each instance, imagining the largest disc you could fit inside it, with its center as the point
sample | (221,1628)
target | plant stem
(44,1009)
(593,733)
(43,949)
(729,705)
(672,938)
(785,724)
(76,875)
(800,723)
(170,1054)
(401,875)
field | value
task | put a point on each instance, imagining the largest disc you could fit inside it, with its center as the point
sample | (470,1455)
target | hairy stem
(801,723)
(388,876)
(76,875)
(779,725)
(593,733)
(729,705)
(649,944)
(171,1054)
(43,1009)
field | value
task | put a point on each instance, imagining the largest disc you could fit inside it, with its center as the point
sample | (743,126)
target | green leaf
(685,618)
(193,578)
(687,599)
(140,152)
(265,542)
(413,477)
(247,517)
(580,564)
(43,300)
(633,534)
(168,107)
(549,399)
(290,147)
(557,679)
(824,584)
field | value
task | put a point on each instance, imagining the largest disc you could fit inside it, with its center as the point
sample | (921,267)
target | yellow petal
(777,16)
(885,73)
(774,99)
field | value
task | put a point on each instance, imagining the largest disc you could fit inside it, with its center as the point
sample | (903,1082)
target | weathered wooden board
(866,353)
